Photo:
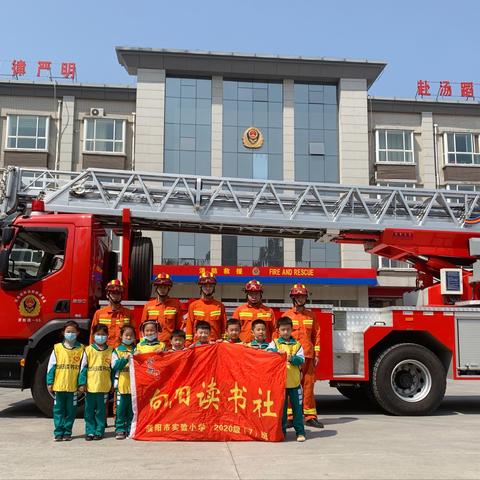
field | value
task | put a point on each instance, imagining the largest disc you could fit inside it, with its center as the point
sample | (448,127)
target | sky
(419,40)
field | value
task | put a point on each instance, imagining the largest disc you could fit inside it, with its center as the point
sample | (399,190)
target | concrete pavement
(358,442)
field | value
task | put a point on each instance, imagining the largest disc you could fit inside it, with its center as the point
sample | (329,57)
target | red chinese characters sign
(219,392)
(426,88)
(42,68)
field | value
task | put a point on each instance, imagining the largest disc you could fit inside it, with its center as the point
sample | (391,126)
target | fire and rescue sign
(218,392)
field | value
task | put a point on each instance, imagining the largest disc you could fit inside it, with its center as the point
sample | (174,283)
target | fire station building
(188,113)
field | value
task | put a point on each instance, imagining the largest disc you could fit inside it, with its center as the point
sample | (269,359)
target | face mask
(151,338)
(128,341)
(70,337)
(100,339)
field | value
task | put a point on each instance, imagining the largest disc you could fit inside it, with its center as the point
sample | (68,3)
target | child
(120,357)
(233,331)
(95,379)
(259,332)
(177,340)
(202,332)
(62,380)
(286,344)
(149,343)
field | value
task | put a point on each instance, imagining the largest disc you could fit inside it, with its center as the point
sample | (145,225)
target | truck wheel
(141,268)
(408,379)
(43,398)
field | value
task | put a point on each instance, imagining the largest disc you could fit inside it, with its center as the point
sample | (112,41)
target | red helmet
(114,286)
(253,286)
(207,278)
(163,279)
(298,289)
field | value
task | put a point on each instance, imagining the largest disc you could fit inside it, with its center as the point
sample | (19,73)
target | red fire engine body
(397,357)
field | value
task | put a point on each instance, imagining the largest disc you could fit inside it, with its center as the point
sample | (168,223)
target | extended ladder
(189,203)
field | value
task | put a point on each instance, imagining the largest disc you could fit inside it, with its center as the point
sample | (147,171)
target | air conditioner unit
(97,112)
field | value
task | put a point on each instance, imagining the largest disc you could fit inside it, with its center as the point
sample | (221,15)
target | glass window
(187,150)
(252,251)
(389,264)
(315,111)
(461,149)
(27,132)
(461,187)
(104,135)
(257,104)
(394,146)
(36,254)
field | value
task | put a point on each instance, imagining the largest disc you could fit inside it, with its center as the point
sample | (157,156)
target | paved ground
(357,443)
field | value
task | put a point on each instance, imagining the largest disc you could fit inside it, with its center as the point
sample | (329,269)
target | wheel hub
(411,380)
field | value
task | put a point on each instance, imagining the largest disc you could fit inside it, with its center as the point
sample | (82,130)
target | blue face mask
(100,339)
(127,341)
(151,338)
(70,337)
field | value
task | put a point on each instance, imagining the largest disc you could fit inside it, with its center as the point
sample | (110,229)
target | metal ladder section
(159,201)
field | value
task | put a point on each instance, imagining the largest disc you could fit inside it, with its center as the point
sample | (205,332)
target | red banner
(219,392)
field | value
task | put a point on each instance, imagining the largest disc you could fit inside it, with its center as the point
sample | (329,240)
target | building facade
(188,114)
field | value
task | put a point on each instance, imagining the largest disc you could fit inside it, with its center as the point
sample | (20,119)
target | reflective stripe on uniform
(153,312)
(105,321)
(264,315)
(309,411)
(245,314)
(126,320)
(172,311)
(215,312)
(199,312)
(308,322)
(317,348)
(188,337)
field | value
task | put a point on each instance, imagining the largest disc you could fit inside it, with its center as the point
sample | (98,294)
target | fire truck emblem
(252,138)
(29,306)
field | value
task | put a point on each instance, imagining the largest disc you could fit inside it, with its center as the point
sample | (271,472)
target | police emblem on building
(252,138)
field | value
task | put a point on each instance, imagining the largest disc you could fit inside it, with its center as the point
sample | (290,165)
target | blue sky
(432,40)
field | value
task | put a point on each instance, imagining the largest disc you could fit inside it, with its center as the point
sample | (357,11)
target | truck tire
(42,397)
(141,269)
(408,379)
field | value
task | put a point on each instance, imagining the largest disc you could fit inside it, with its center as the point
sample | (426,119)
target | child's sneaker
(301,438)
(58,438)
(67,438)
(121,436)
(89,438)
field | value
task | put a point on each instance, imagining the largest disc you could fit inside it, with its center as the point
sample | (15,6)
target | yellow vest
(293,372)
(145,348)
(99,369)
(124,374)
(67,367)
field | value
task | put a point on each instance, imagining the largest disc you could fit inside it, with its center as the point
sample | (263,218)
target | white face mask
(151,337)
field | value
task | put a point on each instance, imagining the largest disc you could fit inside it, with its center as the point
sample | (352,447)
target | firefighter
(254,309)
(166,311)
(206,309)
(306,331)
(114,316)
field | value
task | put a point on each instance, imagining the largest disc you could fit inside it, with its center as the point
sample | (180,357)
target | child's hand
(315,362)
(50,388)
(289,357)
(81,388)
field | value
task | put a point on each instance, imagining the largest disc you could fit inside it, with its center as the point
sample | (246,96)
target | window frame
(16,149)
(94,140)
(473,153)
(386,149)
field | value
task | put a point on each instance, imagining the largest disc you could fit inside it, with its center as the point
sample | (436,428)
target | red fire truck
(56,257)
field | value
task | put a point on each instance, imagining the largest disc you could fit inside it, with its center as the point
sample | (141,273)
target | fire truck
(397,357)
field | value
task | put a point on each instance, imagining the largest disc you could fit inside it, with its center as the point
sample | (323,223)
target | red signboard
(218,392)
(240,274)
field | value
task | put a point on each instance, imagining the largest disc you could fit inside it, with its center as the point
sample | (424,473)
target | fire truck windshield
(35,254)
